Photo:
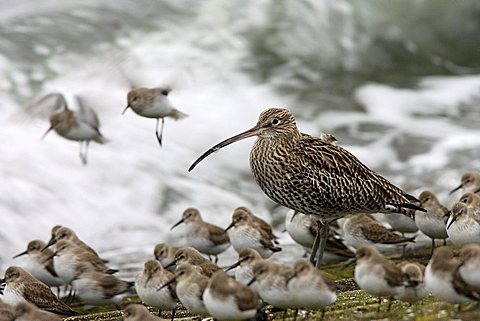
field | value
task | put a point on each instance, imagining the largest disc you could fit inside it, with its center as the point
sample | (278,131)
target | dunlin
(312,290)
(433,222)
(470,183)
(98,288)
(377,275)
(247,234)
(6,311)
(207,238)
(148,283)
(227,299)
(244,267)
(65,233)
(303,230)
(165,254)
(469,268)
(27,311)
(81,125)
(68,255)
(271,279)
(414,289)
(463,226)
(442,278)
(314,176)
(363,229)
(138,312)
(23,287)
(401,223)
(40,263)
(153,103)
(190,285)
(192,256)
(258,221)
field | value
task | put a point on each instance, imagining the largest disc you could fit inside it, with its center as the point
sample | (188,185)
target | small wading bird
(81,125)
(313,175)
(153,103)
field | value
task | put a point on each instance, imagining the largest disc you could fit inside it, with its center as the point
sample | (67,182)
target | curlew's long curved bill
(255,131)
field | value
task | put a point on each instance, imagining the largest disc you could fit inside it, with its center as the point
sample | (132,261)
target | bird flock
(333,200)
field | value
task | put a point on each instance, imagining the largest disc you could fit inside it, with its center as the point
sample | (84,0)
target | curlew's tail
(177,114)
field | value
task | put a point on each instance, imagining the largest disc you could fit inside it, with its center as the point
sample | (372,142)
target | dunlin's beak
(170,264)
(290,278)
(255,131)
(478,190)
(167,284)
(50,243)
(229,227)
(455,189)
(234,265)
(123,112)
(46,133)
(2,281)
(454,217)
(251,281)
(177,224)
(23,253)
(50,257)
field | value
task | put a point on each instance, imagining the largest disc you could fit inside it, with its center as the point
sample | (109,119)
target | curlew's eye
(275,121)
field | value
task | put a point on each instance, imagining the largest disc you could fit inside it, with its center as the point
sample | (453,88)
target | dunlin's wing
(217,234)
(245,298)
(377,233)
(393,274)
(41,295)
(463,287)
(47,105)
(112,285)
(86,114)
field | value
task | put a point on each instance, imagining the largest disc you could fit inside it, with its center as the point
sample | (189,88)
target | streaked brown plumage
(22,286)
(312,175)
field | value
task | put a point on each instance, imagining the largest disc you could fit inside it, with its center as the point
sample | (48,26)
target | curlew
(314,175)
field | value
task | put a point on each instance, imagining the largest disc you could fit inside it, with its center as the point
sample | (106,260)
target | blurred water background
(397,82)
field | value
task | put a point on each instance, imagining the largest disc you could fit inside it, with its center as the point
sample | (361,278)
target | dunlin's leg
(433,247)
(159,136)
(87,143)
(323,242)
(295,315)
(323,314)
(379,304)
(444,242)
(173,313)
(390,299)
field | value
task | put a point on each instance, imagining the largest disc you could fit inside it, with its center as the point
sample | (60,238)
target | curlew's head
(272,123)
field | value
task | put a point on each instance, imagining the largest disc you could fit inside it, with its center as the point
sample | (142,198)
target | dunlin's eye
(275,121)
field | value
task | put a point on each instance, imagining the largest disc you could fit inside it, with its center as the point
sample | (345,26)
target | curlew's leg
(324,230)
(159,136)
(316,243)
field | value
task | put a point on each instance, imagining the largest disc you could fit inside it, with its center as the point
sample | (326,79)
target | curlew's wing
(337,175)
(40,295)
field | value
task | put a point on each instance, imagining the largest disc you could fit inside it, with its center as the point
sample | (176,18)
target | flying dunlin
(314,176)
(81,125)
(153,103)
